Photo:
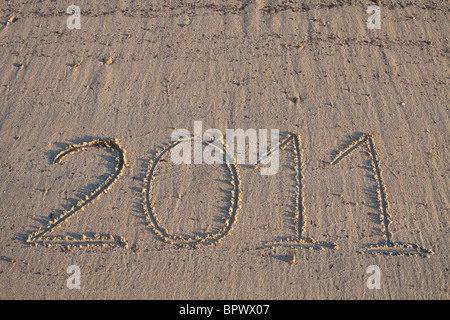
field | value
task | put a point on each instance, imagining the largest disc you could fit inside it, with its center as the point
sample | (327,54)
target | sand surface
(229,64)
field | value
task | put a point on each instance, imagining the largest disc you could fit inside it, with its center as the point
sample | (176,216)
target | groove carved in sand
(211,239)
(42,237)
(387,246)
(300,240)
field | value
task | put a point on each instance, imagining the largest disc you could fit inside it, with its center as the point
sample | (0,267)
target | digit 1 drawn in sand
(41,236)
(300,240)
(186,241)
(387,247)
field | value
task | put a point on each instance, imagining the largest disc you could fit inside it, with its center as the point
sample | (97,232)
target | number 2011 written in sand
(301,240)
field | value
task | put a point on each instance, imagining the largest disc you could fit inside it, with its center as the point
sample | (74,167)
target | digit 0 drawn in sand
(211,239)
(300,240)
(42,237)
(388,246)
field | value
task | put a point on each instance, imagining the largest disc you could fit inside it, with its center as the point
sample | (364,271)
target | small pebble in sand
(292,252)
(11,19)
(76,64)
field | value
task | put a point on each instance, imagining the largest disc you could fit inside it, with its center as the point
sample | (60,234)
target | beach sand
(311,69)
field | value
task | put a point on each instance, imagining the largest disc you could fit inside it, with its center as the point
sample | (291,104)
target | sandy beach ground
(136,70)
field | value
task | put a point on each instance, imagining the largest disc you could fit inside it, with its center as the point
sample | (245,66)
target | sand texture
(86,177)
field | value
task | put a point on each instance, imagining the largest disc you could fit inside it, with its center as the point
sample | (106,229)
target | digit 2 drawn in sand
(186,241)
(41,236)
(300,240)
(388,246)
